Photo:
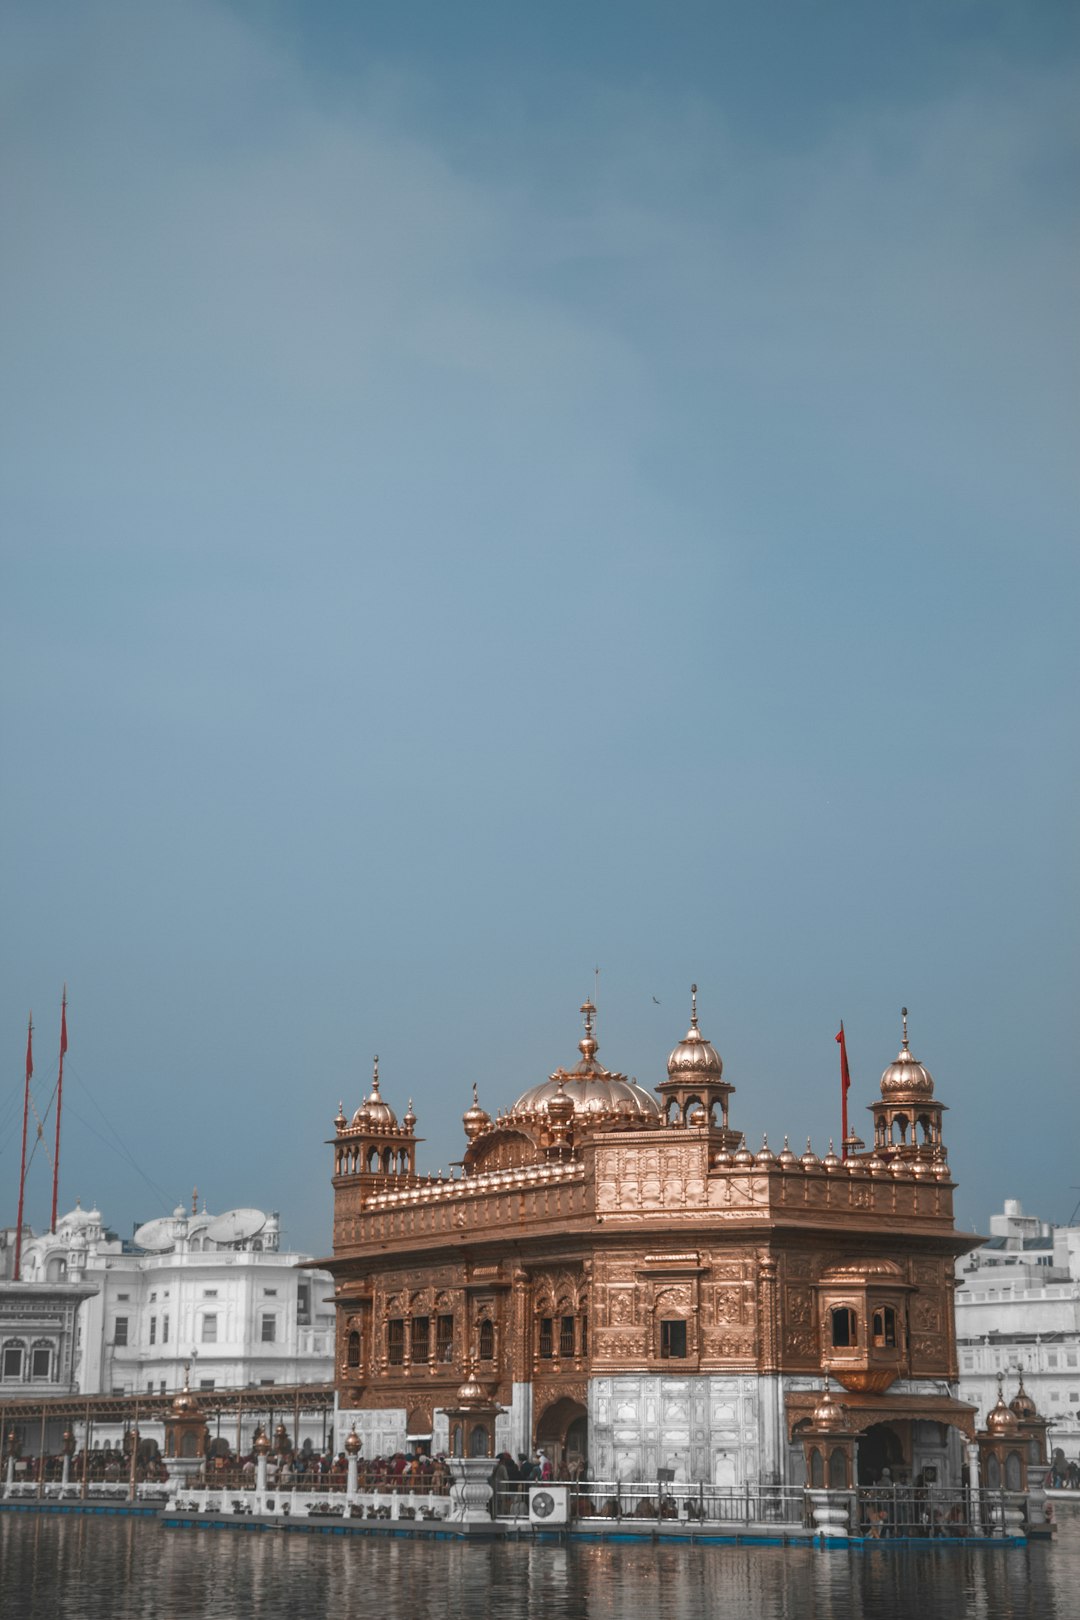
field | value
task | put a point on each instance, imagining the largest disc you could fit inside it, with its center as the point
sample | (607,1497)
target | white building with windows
(38,1327)
(215,1292)
(1018,1312)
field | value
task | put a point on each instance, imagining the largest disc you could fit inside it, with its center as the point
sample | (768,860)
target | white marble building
(1018,1312)
(240,1311)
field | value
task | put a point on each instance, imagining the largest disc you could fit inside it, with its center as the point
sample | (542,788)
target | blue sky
(494,490)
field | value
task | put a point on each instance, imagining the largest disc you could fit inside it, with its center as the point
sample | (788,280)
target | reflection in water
(132,1569)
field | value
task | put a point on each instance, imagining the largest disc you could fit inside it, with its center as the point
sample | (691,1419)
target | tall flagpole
(59,1103)
(22,1156)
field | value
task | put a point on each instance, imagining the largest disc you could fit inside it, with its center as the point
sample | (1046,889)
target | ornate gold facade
(621,1269)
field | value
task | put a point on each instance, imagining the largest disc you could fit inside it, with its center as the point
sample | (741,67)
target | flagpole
(845,1084)
(22,1157)
(59,1103)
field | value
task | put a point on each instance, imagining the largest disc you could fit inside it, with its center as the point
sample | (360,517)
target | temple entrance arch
(563,1432)
(880,1447)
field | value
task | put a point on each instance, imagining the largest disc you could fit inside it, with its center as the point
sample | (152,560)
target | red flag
(63,1025)
(845,1087)
(845,1072)
(29,1049)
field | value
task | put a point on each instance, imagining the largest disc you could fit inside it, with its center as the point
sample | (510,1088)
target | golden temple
(640,1292)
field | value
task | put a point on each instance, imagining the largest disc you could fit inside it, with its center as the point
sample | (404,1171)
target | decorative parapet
(498,1201)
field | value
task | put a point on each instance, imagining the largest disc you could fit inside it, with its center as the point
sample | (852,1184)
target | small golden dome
(832,1160)
(786,1158)
(906,1080)
(743,1156)
(1022,1404)
(810,1160)
(340,1121)
(827,1415)
(352,1442)
(373,1110)
(1001,1420)
(765,1158)
(561,1107)
(409,1118)
(694,1058)
(475,1119)
(472,1392)
(260,1445)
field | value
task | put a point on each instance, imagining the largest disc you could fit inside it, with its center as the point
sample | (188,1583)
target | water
(83,1568)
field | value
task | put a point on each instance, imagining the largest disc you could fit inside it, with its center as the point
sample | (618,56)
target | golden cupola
(373,1145)
(475,1119)
(695,1091)
(907,1120)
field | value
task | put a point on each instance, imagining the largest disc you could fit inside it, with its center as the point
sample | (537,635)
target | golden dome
(260,1445)
(593,1090)
(906,1080)
(694,1058)
(472,1392)
(352,1442)
(475,1119)
(373,1110)
(1001,1420)
(1022,1405)
(184,1403)
(827,1415)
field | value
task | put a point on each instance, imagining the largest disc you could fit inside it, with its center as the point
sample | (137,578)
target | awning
(864,1410)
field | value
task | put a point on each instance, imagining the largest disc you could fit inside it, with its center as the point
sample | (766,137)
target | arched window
(884,1328)
(845,1327)
(487,1340)
(837,1470)
(817,1468)
(352,1356)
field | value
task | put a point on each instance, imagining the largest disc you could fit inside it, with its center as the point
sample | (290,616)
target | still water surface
(83,1568)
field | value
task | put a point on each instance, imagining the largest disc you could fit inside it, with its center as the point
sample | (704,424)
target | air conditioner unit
(548,1504)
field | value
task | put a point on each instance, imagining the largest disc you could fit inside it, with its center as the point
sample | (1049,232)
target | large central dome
(591,1088)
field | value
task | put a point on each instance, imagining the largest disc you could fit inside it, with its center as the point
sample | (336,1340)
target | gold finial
(693,1006)
(194,1200)
(375,1074)
(475,1095)
(589,1009)
(903,1015)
